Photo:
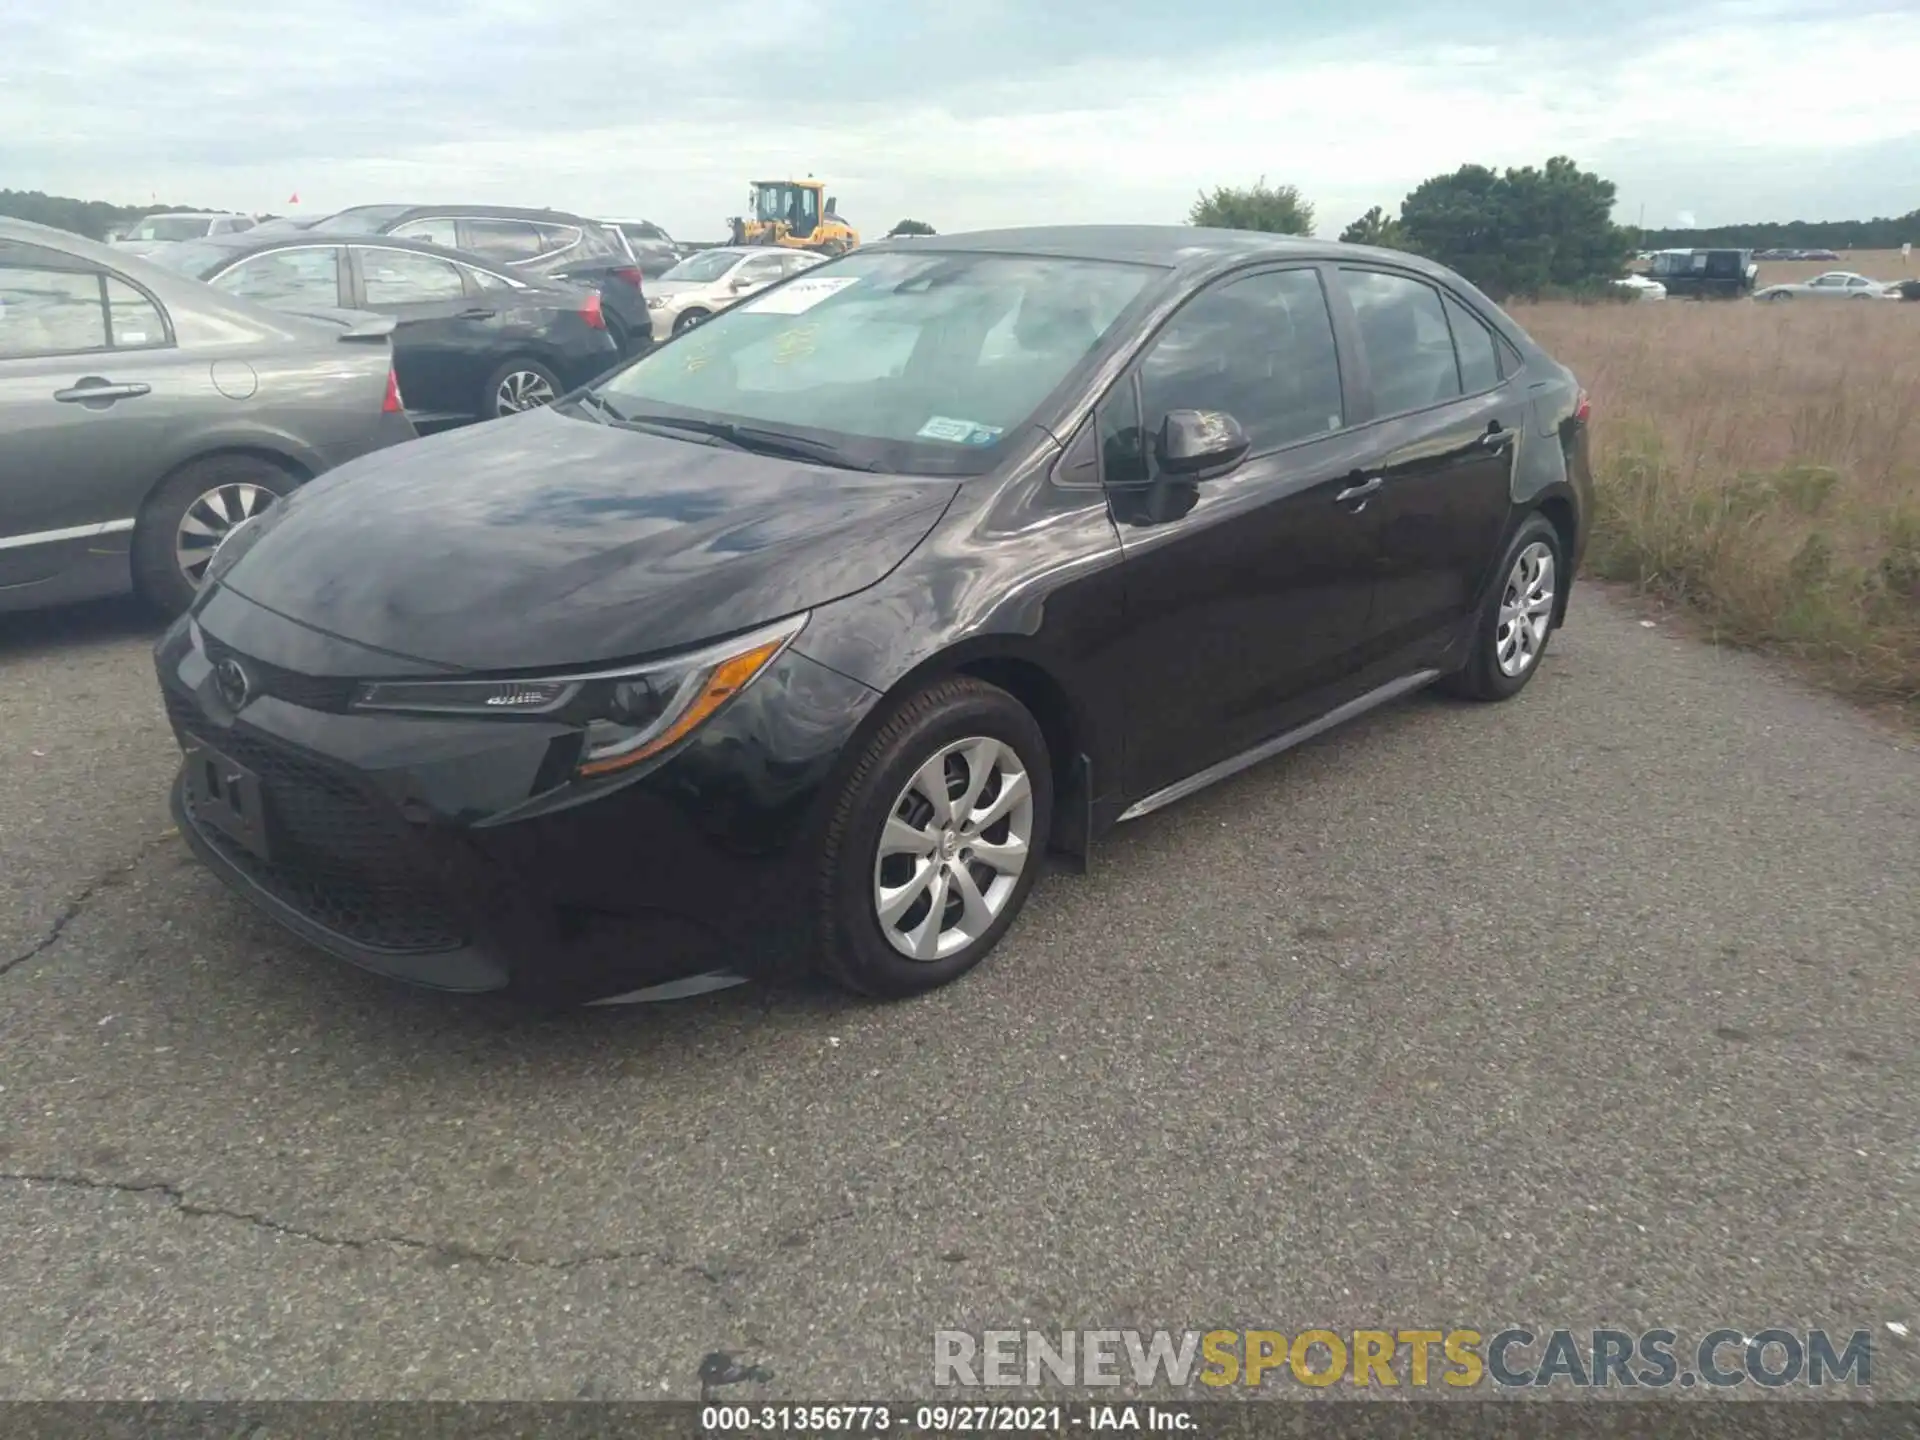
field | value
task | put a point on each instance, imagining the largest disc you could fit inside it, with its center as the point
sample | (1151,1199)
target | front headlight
(628,715)
(656,302)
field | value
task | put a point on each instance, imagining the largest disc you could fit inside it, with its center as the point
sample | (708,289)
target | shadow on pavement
(27,632)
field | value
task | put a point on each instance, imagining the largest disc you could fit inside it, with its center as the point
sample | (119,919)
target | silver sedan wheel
(955,846)
(523,390)
(210,519)
(1526,610)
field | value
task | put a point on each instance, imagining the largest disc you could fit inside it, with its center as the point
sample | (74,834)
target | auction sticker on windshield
(960,432)
(799,296)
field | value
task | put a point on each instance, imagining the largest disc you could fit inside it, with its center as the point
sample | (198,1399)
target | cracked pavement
(1599,1007)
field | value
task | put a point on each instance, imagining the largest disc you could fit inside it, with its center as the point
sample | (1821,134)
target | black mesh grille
(314,692)
(341,857)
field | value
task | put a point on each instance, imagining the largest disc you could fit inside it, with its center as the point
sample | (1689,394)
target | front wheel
(936,841)
(687,321)
(1511,634)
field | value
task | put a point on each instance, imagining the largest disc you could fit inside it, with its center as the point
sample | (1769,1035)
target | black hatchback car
(472,341)
(803,639)
(543,244)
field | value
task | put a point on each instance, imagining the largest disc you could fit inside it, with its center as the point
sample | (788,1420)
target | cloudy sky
(967,114)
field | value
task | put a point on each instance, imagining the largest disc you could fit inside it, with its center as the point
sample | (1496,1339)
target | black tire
(157,574)
(852,948)
(687,321)
(492,406)
(1482,677)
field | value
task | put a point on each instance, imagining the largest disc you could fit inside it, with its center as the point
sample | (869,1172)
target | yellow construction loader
(797,214)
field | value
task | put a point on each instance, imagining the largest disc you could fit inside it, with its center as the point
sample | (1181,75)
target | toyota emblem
(230,678)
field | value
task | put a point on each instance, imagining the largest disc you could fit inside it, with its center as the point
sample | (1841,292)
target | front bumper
(455,853)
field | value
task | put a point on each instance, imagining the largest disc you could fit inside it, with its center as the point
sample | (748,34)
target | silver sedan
(708,281)
(1834,285)
(144,415)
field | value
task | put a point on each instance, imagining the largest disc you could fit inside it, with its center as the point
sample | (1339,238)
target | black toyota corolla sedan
(804,640)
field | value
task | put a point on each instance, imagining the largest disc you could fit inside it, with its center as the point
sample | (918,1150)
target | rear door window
(501,239)
(552,239)
(402,277)
(307,276)
(435,231)
(1403,331)
(50,312)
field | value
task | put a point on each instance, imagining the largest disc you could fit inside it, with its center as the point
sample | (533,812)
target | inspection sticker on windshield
(960,432)
(799,296)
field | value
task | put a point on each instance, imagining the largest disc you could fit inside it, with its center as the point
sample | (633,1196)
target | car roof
(1180,248)
(248,243)
(193,215)
(484,212)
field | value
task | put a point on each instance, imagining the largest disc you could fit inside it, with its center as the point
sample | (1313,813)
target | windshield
(361,219)
(706,265)
(921,363)
(170,227)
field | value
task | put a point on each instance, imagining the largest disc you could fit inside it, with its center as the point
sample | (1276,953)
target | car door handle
(82,394)
(1358,492)
(1496,438)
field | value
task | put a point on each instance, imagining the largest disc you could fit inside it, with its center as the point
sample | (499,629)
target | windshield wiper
(751,438)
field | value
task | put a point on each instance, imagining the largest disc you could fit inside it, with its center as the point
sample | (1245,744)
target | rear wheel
(189,515)
(936,842)
(518,385)
(1511,634)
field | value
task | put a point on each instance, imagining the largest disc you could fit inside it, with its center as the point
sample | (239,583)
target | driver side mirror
(742,282)
(1191,441)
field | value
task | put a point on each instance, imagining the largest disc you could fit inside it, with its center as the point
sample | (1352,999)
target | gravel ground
(1598,1007)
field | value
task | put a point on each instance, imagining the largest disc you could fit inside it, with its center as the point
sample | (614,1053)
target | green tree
(910,227)
(1276,209)
(1376,227)
(1522,232)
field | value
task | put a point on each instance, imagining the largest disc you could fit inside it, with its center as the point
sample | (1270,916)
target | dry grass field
(1761,464)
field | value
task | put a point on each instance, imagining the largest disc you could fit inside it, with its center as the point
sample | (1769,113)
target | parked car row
(472,312)
(1778,254)
(1834,285)
(471,340)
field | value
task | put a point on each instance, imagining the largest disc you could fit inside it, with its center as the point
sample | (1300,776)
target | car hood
(541,541)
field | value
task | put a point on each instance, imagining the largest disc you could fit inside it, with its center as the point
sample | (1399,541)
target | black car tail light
(392,404)
(1583,408)
(629,273)
(590,312)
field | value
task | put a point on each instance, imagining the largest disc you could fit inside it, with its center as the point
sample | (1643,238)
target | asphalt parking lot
(1594,1008)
